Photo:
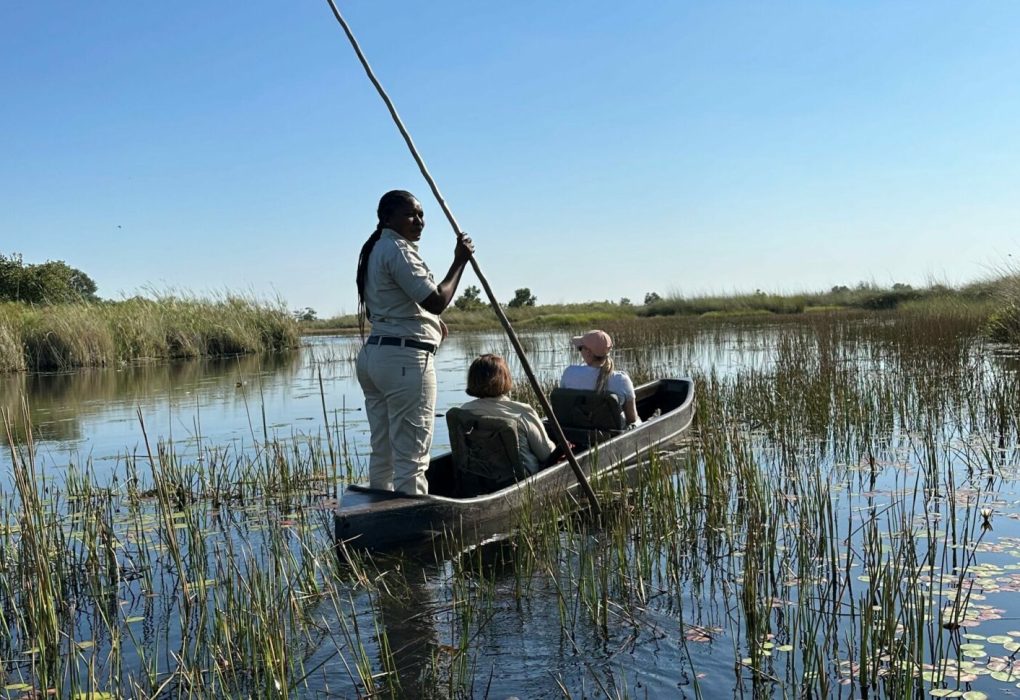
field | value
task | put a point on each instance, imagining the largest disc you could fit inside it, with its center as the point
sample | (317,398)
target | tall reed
(65,336)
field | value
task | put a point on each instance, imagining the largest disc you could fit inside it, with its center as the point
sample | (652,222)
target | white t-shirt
(585,377)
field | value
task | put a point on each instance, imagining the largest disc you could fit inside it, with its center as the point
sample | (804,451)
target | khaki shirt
(396,282)
(532,442)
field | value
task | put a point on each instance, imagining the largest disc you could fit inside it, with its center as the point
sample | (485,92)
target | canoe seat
(587,416)
(485,452)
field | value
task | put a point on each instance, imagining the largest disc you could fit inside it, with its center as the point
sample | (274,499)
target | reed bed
(102,334)
(1004,324)
(826,527)
(12,358)
(838,526)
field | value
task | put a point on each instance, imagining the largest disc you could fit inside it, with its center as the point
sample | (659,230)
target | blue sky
(594,150)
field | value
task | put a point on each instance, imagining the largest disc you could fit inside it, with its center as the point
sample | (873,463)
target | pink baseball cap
(598,342)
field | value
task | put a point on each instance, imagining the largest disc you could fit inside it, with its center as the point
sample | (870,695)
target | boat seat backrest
(580,409)
(485,452)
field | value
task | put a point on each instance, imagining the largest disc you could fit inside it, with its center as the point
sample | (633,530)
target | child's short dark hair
(489,377)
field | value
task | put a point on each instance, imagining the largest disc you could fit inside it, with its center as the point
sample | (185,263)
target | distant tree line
(51,282)
(471,299)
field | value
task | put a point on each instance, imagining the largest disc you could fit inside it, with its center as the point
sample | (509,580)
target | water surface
(846,525)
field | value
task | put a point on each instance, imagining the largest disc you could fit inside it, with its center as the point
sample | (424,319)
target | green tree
(470,300)
(651,298)
(12,271)
(305,314)
(51,282)
(522,297)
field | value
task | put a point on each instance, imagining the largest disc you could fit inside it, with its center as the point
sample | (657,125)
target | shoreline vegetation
(95,333)
(995,302)
(59,337)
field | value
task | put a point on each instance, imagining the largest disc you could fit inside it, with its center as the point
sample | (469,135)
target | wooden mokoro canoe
(372,519)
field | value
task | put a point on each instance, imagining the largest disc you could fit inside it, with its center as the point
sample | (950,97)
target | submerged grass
(102,334)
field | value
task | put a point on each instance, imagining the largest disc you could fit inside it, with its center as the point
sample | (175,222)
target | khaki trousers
(400,402)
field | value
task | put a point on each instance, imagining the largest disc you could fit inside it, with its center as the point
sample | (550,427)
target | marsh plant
(839,524)
(109,333)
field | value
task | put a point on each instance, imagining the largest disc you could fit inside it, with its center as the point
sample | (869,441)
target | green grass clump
(1004,323)
(65,336)
(12,359)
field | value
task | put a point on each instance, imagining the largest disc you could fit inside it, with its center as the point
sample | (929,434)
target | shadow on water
(407,614)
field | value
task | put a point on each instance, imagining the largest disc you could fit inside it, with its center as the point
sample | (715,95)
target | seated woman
(489,381)
(597,373)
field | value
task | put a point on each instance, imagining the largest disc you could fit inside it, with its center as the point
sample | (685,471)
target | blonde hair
(604,373)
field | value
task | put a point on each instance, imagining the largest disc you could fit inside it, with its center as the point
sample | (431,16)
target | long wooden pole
(561,439)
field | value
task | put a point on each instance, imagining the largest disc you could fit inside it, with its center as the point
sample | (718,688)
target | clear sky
(594,150)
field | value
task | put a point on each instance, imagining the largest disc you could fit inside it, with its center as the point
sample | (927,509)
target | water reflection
(407,615)
(63,405)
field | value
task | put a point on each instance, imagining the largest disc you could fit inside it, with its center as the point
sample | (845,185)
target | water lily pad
(999,639)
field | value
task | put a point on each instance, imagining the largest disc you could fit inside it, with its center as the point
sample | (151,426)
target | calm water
(879,425)
(93,415)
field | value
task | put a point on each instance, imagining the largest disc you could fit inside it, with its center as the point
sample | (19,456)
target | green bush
(1004,324)
(51,282)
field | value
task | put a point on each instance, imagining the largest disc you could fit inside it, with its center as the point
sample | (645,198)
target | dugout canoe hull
(370,519)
